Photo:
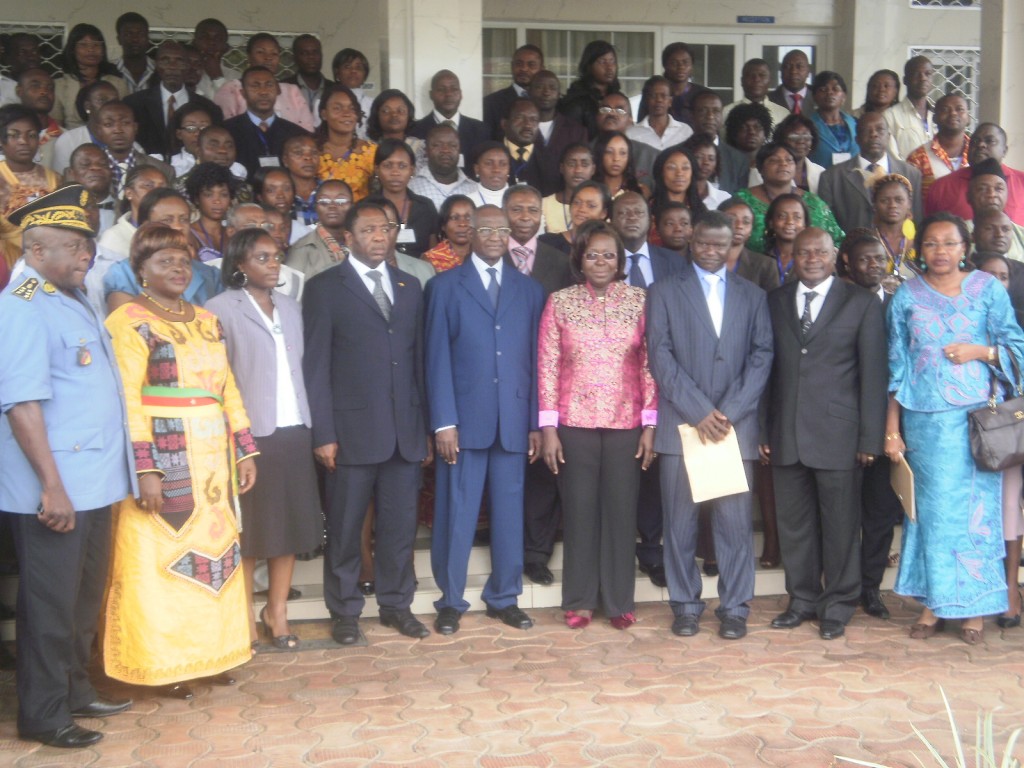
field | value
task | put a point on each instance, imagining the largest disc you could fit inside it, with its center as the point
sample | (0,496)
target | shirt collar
(257,120)
(361,269)
(643,250)
(180,95)
(482,267)
(820,289)
(531,244)
(441,118)
(702,273)
(882,163)
(520,91)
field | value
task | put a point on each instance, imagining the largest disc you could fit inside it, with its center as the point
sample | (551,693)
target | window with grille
(562,48)
(956,70)
(235,56)
(945,3)
(50,37)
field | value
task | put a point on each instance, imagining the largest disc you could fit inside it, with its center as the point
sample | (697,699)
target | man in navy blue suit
(364,373)
(645,264)
(481,363)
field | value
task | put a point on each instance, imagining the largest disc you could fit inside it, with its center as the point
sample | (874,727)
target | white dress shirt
(820,290)
(288,413)
(362,270)
(482,267)
(676,133)
(644,262)
(180,99)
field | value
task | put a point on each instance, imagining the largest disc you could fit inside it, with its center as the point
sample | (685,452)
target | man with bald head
(825,420)
(155,105)
(442,177)
(949,150)
(446,96)
(950,192)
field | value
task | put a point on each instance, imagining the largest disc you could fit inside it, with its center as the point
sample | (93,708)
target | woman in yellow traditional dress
(343,155)
(177,607)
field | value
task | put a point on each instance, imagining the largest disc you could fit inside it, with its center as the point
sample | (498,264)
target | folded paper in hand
(714,469)
(902,479)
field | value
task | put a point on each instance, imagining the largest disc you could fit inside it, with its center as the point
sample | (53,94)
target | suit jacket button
(394,362)
(391,330)
(803,351)
(497,327)
(495,381)
(499,353)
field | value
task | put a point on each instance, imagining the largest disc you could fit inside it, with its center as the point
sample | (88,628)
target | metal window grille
(956,69)
(51,41)
(235,56)
(945,3)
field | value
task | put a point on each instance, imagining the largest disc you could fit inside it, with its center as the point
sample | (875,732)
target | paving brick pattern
(494,697)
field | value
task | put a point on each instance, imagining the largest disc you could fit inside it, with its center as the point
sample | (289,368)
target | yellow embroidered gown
(177,608)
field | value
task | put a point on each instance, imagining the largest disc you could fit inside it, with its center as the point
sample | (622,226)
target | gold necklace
(180,312)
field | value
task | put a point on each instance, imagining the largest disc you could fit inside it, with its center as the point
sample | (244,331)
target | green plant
(984,745)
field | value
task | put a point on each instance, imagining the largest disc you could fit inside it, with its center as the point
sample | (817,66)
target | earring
(240,279)
(145,283)
(962,263)
(924,267)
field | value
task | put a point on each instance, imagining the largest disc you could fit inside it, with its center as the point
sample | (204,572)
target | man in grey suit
(709,342)
(733,165)
(364,376)
(846,185)
(826,406)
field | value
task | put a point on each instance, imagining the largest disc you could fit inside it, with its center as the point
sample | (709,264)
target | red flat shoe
(624,621)
(577,619)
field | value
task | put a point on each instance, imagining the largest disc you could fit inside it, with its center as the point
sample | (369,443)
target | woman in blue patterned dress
(949,331)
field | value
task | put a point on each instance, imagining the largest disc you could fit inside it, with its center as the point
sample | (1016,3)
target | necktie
(872,167)
(492,287)
(636,277)
(264,126)
(521,154)
(521,256)
(170,110)
(714,302)
(797,98)
(378,293)
(450,123)
(805,319)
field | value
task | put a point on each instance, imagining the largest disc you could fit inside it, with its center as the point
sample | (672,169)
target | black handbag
(997,430)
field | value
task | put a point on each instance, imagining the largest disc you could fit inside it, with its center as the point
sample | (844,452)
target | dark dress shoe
(873,605)
(656,573)
(69,737)
(830,629)
(102,708)
(447,621)
(789,619)
(405,623)
(1008,622)
(510,615)
(178,691)
(710,569)
(367,588)
(733,628)
(539,573)
(686,625)
(345,630)
(224,678)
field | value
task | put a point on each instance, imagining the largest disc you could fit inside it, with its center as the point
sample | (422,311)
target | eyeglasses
(193,128)
(263,258)
(949,245)
(325,201)
(597,256)
(486,232)
(612,111)
(799,137)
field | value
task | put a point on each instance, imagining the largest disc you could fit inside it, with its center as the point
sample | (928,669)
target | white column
(1002,57)
(424,36)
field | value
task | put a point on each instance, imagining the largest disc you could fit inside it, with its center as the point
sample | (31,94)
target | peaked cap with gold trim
(62,208)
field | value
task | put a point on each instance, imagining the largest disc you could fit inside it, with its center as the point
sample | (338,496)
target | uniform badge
(83,199)
(49,287)
(84,356)
(27,289)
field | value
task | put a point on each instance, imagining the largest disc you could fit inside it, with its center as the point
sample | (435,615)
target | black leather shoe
(510,615)
(871,599)
(733,628)
(102,708)
(538,573)
(829,629)
(686,625)
(345,630)
(656,573)
(180,691)
(224,678)
(405,623)
(710,569)
(789,619)
(69,737)
(367,588)
(447,621)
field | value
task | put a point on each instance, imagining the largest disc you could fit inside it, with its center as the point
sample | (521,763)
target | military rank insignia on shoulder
(27,289)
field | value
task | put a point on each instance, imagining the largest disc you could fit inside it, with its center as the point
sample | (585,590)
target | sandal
(894,559)
(972,636)
(924,631)
(281,642)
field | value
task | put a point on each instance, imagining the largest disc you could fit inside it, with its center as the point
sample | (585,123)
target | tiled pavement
(495,697)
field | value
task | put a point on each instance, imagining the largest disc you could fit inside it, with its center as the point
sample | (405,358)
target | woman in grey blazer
(263,331)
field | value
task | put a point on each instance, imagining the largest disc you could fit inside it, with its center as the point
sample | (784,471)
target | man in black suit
(866,259)
(845,186)
(733,165)
(825,412)
(710,348)
(259,134)
(364,372)
(154,106)
(550,267)
(792,93)
(309,60)
(645,265)
(446,96)
(527,61)
(555,132)
(519,132)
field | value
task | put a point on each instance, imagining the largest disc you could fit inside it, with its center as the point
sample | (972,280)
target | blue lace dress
(952,556)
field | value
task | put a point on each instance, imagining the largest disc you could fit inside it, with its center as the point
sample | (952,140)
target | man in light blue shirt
(65,457)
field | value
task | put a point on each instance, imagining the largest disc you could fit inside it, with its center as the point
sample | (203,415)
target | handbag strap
(1017,383)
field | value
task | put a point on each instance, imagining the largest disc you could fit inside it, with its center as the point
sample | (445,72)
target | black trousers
(880,512)
(599,484)
(60,595)
(818,512)
(649,519)
(394,485)
(542,513)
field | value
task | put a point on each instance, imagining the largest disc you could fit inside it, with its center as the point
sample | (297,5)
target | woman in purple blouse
(597,415)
